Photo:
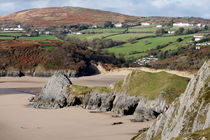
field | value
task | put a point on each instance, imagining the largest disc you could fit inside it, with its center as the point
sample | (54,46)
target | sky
(175,8)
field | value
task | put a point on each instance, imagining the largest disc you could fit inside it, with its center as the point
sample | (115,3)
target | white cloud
(40,3)
(5,6)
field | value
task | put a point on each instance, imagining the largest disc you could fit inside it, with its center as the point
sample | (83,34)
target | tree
(108,24)
(206,27)
(179,31)
(160,32)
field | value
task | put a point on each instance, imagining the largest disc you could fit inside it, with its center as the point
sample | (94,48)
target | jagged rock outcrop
(11,73)
(54,94)
(107,102)
(20,73)
(73,100)
(188,113)
(125,105)
(98,101)
(148,110)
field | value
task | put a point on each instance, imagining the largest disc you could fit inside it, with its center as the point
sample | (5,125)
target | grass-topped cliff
(188,117)
(146,84)
(151,85)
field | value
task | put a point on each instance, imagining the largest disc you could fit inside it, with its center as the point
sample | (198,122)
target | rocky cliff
(187,114)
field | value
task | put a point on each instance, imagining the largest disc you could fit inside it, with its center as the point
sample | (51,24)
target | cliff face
(188,113)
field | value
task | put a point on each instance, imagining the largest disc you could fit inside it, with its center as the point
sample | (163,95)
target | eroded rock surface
(188,113)
(148,110)
(125,105)
(54,94)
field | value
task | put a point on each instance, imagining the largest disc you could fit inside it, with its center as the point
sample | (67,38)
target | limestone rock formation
(188,113)
(98,101)
(148,110)
(125,105)
(54,94)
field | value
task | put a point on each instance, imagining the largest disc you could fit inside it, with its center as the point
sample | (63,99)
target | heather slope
(64,15)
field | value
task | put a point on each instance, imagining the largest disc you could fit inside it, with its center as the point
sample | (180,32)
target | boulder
(125,105)
(54,94)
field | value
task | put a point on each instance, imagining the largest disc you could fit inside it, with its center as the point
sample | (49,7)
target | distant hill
(56,16)
(64,16)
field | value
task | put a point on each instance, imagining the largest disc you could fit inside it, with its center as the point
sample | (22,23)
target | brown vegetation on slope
(49,55)
(64,15)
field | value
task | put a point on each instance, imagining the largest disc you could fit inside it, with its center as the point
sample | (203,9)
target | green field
(126,37)
(112,30)
(7,38)
(10,34)
(149,43)
(89,36)
(41,37)
(143,29)
(135,56)
(151,85)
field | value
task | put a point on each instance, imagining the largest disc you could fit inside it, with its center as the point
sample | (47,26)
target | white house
(145,24)
(118,25)
(182,24)
(94,27)
(171,32)
(198,37)
(18,28)
(199,25)
(159,26)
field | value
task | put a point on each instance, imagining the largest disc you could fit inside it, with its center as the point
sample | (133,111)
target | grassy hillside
(151,85)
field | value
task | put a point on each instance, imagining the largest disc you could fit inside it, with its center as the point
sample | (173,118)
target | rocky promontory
(188,117)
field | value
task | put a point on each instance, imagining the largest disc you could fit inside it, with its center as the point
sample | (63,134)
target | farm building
(182,25)
(171,32)
(198,37)
(159,26)
(145,24)
(118,25)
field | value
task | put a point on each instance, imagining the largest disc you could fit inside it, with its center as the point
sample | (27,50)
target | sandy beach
(19,122)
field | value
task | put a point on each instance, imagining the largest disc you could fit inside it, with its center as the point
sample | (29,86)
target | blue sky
(196,8)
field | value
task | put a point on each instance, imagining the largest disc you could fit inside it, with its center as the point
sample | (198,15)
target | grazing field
(41,37)
(149,43)
(89,36)
(112,30)
(126,37)
(143,29)
(10,34)
(135,56)
(6,38)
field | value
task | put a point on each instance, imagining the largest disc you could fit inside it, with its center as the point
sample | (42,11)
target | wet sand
(19,122)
